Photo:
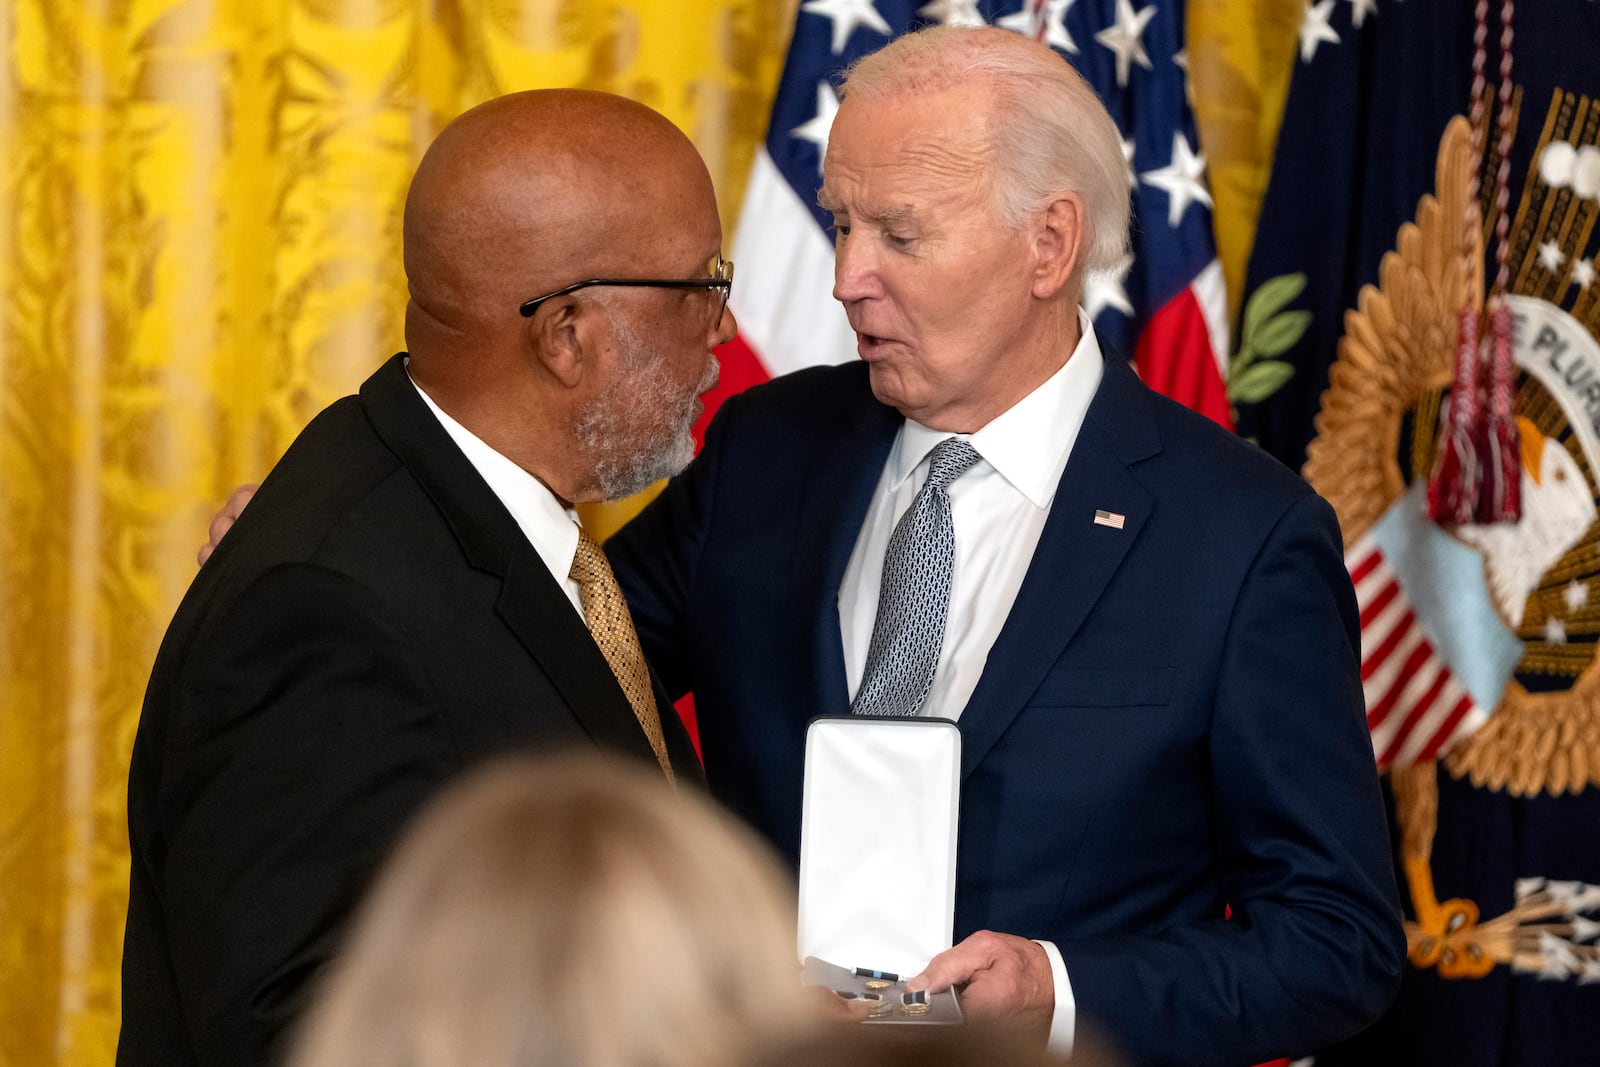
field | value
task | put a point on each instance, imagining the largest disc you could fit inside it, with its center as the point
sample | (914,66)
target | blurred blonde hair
(1051,132)
(968,1045)
(563,912)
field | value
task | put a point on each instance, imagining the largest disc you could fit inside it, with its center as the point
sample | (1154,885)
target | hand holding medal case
(878,860)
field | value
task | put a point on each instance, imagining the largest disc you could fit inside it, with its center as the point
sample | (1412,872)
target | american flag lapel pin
(1113,519)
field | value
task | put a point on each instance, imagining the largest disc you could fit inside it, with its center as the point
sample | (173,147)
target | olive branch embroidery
(1268,331)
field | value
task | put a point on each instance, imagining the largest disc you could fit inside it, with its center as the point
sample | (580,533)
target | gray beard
(638,431)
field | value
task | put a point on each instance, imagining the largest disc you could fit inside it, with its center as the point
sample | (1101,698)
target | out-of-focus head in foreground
(564,911)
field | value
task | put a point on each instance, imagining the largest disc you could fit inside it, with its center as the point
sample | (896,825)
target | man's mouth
(708,381)
(870,343)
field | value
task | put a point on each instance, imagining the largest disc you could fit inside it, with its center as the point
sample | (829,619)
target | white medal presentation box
(878,860)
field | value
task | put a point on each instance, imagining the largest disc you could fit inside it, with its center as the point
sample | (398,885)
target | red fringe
(1453,484)
(1503,501)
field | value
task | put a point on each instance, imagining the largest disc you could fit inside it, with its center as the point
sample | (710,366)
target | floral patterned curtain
(199,249)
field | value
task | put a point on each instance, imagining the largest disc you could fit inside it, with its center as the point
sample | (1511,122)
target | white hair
(1050,132)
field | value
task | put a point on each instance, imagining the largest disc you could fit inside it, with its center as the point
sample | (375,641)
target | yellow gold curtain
(199,248)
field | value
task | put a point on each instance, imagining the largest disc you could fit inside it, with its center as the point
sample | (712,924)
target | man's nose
(855,275)
(723,330)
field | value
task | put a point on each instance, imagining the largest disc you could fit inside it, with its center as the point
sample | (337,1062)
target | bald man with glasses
(410,592)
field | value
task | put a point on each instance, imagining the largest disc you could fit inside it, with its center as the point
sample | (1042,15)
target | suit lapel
(1075,558)
(531,604)
(541,616)
(837,492)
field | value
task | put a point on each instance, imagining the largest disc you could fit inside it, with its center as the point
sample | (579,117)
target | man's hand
(824,1005)
(223,520)
(1007,979)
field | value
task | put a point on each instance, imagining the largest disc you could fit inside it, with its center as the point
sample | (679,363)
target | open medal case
(878,861)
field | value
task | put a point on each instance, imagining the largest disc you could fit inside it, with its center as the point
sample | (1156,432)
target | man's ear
(560,336)
(1057,244)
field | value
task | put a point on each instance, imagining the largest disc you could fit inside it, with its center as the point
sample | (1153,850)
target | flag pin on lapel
(1113,519)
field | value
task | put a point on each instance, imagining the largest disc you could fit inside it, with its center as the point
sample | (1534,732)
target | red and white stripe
(783,296)
(1182,351)
(1415,706)
(785,305)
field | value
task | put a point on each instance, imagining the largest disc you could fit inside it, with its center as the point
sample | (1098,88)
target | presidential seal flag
(1164,306)
(1426,257)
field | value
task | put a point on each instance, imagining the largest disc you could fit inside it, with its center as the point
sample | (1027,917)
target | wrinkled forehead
(883,152)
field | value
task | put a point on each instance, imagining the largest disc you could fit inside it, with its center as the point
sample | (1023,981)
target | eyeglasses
(721,280)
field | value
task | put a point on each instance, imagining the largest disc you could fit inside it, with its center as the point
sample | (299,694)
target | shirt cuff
(1063,1024)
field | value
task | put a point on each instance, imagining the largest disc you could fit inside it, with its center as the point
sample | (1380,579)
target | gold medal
(915,1003)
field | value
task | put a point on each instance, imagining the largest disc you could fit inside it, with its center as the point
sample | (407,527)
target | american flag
(1165,306)
(1416,707)
(1435,654)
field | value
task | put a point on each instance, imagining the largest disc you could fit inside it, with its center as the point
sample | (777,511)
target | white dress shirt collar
(1028,444)
(550,527)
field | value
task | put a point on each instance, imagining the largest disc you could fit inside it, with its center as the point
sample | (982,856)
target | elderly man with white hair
(1170,819)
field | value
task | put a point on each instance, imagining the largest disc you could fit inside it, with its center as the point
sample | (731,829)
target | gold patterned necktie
(612,628)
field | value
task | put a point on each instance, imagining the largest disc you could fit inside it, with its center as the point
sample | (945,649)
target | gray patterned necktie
(915,596)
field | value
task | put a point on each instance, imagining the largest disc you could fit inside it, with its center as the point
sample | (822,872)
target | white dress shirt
(551,528)
(998,509)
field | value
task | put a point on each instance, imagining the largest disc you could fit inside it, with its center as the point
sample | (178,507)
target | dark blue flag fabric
(1478,640)
(1164,307)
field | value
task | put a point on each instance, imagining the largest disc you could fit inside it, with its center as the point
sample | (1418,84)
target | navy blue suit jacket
(1170,723)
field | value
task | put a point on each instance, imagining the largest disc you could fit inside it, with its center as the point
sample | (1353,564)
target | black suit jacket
(374,623)
(1170,722)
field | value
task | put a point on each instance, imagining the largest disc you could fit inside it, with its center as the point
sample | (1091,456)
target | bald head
(534,190)
(528,194)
